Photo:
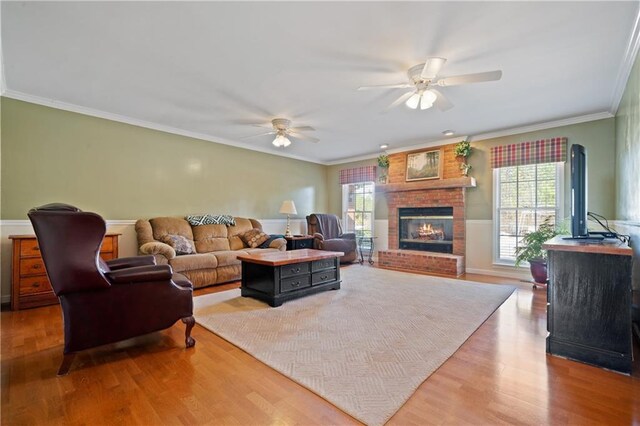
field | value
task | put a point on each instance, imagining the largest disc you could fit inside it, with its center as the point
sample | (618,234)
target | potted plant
(463,149)
(383,163)
(531,249)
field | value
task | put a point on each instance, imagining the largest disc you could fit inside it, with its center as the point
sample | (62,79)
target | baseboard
(498,273)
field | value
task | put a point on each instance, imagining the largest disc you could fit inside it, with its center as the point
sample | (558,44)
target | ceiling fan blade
(442,102)
(302,129)
(267,125)
(432,68)
(387,86)
(400,100)
(303,137)
(470,78)
(261,134)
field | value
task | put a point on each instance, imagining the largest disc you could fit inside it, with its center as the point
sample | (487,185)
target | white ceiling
(211,69)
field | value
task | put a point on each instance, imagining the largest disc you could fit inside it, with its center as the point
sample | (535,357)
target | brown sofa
(217,247)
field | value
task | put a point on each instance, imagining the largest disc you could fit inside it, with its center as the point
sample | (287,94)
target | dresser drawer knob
(36,266)
(35,285)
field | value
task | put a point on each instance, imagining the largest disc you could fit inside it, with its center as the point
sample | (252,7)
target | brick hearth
(446,192)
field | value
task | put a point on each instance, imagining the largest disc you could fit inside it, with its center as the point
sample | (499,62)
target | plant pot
(538,270)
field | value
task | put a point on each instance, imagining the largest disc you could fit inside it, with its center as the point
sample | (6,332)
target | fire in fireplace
(426,229)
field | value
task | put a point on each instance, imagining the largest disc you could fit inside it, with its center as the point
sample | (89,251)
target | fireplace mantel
(460,182)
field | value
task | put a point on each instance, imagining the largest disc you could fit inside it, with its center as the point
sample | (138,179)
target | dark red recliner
(105,302)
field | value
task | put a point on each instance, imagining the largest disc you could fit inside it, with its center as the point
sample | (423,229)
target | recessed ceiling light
(448,132)
(384,146)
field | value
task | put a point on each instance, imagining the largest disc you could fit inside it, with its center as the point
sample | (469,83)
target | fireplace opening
(426,229)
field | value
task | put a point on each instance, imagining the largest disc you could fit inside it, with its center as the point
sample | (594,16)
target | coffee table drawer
(323,276)
(294,269)
(295,283)
(319,265)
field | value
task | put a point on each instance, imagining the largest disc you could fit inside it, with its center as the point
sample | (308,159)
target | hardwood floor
(501,375)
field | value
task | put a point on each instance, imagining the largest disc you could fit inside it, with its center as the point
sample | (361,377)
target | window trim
(560,190)
(345,194)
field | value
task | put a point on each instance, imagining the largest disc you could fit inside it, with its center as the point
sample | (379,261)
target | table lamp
(288,208)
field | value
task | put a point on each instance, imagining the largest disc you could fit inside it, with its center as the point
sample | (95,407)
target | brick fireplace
(447,192)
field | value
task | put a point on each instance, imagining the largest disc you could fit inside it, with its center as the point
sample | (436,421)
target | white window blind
(524,197)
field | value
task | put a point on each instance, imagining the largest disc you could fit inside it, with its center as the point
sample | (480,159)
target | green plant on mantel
(462,149)
(383,161)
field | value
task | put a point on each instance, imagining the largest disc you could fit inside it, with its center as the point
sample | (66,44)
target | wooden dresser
(589,302)
(29,283)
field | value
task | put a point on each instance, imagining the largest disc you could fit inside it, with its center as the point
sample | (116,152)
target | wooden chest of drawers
(29,284)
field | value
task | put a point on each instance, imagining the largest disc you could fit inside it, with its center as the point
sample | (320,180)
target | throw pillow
(180,244)
(155,247)
(254,237)
(211,219)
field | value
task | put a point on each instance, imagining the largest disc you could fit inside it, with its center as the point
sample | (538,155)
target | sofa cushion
(170,225)
(210,238)
(182,245)
(210,219)
(190,262)
(254,237)
(228,258)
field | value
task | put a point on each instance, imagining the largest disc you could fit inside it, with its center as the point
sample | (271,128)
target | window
(357,208)
(524,197)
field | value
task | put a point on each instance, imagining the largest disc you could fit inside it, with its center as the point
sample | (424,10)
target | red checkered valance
(552,150)
(358,174)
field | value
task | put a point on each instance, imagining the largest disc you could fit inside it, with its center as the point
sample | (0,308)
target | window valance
(358,174)
(552,150)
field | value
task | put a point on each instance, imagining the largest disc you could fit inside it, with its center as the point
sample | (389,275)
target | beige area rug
(366,347)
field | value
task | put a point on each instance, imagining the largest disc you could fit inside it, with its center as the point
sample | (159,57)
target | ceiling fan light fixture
(448,133)
(414,100)
(427,100)
(281,141)
(384,146)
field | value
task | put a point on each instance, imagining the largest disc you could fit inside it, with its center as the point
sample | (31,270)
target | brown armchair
(327,235)
(104,302)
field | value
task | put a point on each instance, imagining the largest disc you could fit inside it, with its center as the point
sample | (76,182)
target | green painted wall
(127,172)
(598,137)
(628,149)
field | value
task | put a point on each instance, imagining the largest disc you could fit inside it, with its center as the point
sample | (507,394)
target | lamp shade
(288,207)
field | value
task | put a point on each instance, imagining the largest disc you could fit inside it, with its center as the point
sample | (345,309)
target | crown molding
(146,124)
(431,144)
(483,136)
(542,126)
(629,59)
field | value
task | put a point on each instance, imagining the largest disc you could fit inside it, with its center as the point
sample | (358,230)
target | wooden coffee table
(277,277)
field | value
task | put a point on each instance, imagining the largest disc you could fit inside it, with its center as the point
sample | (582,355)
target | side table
(298,242)
(369,241)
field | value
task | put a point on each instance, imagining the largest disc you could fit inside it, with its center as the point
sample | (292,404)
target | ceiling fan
(283,131)
(423,80)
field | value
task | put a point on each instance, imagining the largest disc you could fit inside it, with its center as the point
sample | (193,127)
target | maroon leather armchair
(104,302)
(327,235)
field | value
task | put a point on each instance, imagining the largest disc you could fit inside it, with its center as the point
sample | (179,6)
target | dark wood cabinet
(589,303)
(277,277)
(30,286)
(299,242)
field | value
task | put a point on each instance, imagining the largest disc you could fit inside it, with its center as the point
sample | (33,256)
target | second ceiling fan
(423,80)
